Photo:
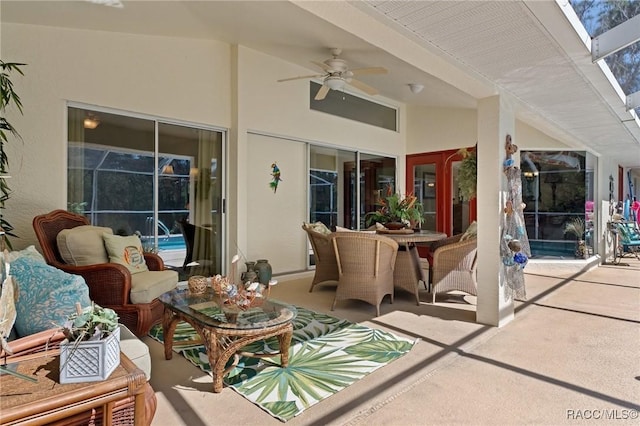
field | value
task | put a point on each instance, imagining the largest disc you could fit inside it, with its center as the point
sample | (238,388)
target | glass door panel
(460,206)
(425,189)
(190,196)
(118,180)
(107,160)
(376,174)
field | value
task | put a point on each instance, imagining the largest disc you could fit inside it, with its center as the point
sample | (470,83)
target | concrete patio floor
(571,355)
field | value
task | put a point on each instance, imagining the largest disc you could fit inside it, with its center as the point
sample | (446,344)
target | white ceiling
(459,50)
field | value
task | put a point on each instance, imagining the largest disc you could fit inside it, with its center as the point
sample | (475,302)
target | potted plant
(394,210)
(8,97)
(91,350)
(467,174)
(576,226)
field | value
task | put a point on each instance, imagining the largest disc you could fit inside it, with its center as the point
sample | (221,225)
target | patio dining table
(408,273)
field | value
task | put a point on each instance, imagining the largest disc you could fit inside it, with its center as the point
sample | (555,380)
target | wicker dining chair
(325,258)
(365,267)
(454,266)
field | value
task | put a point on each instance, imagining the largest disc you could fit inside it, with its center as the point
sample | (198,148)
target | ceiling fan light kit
(337,74)
(334,83)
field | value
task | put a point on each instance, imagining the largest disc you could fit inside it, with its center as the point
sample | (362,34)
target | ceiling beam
(615,39)
(633,100)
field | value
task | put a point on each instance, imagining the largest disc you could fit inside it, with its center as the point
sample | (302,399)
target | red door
(432,177)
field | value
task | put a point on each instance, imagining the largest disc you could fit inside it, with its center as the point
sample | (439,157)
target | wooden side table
(26,403)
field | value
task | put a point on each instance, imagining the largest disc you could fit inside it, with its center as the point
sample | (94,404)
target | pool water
(173,242)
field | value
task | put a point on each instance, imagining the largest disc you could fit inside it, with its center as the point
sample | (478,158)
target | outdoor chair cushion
(136,350)
(30,252)
(146,286)
(47,295)
(471,232)
(83,245)
(126,251)
(318,227)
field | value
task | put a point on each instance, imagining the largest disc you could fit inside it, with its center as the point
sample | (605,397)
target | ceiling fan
(337,74)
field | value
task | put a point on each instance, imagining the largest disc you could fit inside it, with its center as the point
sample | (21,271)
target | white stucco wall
(204,82)
(166,77)
(282,109)
(437,129)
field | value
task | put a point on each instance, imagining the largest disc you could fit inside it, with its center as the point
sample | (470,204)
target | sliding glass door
(159,180)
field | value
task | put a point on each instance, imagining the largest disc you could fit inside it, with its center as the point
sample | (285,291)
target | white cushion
(29,252)
(146,286)
(83,245)
(471,232)
(318,227)
(136,350)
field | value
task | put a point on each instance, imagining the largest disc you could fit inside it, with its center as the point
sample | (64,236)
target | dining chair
(454,266)
(365,267)
(325,259)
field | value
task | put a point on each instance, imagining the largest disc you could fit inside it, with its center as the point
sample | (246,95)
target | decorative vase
(89,360)
(197,284)
(263,268)
(251,274)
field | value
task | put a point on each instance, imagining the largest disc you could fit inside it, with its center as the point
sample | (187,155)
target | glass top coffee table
(224,329)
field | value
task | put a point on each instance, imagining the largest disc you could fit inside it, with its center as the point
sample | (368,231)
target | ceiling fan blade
(322,93)
(362,86)
(322,65)
(301,77)
(370,70)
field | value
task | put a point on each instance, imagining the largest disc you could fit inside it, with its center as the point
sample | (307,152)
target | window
(354,108)
(557,187)
(119,179)
(344,185)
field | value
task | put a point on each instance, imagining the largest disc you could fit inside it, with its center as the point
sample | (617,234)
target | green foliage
(91,323)
(599,16)
(394,208)
(76,207)
(8,98)
(467,174)
(575,226)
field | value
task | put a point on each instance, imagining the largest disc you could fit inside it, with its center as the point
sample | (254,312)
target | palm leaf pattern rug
(327,354)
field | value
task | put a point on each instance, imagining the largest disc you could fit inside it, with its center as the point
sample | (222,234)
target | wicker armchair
(47,343)
(365,267)
(326,266)
(109,283)
(453,266)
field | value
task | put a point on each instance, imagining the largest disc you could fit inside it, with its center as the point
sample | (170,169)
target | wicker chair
(453,266)
(47,343)
(326,266)
(365,267)
(109,283)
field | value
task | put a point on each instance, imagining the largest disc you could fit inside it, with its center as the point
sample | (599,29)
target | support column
(496,119)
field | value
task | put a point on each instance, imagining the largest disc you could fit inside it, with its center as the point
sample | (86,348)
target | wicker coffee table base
(223,343)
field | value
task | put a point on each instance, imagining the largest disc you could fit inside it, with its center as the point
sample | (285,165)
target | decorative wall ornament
(514,243)
(275,174)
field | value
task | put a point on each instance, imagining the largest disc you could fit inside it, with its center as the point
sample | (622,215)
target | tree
(8,98)
(599,16)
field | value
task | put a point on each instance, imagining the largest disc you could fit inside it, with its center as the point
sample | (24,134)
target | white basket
(89,361)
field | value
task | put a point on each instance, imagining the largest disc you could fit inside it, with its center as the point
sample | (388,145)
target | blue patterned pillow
(47,295)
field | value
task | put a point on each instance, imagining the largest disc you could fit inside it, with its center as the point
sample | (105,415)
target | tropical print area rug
(327,354)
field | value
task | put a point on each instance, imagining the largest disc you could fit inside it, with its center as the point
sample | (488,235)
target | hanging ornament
(275,174)
(520,258)
(515,245)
